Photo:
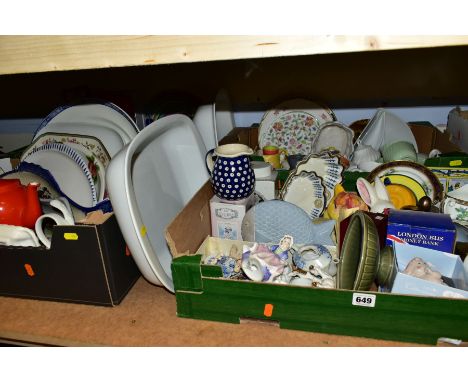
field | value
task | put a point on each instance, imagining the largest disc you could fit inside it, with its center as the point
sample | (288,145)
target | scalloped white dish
(306,191)
(325,167)
(149,182)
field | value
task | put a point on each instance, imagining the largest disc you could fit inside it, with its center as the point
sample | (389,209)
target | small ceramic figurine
(417,267)
(263,263)
(230,264)
(315,277)
(376,197)
(343,204)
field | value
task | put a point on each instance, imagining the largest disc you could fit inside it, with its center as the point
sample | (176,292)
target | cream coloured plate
(306,191)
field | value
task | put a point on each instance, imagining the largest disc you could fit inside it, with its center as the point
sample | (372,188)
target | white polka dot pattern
(233,178)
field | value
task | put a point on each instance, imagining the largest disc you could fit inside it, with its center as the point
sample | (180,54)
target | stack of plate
(76,144)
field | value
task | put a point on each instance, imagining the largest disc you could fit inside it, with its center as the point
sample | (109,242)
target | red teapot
(19,205)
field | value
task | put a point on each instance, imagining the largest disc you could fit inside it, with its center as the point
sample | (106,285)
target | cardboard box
(226,216)
(452,171)
(424,229)
(449,265)
(87,264)
(202,293)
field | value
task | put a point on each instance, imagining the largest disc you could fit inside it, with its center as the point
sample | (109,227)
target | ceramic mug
(274,155)
(232,176)
(400,150)
(56,218)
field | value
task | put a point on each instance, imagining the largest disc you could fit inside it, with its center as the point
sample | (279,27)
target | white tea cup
(39,227)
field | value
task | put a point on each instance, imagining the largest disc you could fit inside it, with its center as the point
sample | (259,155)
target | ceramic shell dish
(333,136)
(359,254)
(306,191)
(411,175)
(149,182)
(292,125)
(326,168)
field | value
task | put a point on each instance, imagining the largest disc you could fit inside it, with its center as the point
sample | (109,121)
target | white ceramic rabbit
(376,197)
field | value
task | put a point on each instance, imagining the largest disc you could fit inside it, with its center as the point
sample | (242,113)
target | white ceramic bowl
(149,181)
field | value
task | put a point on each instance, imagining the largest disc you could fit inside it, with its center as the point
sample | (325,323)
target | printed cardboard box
(86,263)
(449,265)
(226,216)
(202,293)
(424,229)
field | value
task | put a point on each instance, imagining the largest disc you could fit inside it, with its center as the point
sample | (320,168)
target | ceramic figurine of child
(263,263)
(417,267)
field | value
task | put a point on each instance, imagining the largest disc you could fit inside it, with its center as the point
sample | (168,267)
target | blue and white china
(317,256)
(232,176)
(69,170)
(262,262)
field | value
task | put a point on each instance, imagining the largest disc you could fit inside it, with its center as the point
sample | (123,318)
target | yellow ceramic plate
(401,195)
(404,180)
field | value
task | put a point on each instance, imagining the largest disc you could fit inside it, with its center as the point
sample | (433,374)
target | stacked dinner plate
(74,145)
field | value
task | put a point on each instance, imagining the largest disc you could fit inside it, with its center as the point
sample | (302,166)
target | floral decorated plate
(69,170)
(292,125)
(91,146)
(306,191)
(419,173)
(91,149)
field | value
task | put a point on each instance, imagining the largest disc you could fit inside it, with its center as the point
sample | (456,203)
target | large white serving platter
(105,121)
(149,182)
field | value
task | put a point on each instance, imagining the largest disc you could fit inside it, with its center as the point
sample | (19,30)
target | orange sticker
(29,270)
(268,310)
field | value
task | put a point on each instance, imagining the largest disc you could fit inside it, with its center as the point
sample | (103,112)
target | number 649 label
(362,299)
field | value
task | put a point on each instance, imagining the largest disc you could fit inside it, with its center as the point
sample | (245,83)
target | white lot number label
(362,299)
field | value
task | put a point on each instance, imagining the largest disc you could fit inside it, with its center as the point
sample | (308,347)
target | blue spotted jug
(232,176)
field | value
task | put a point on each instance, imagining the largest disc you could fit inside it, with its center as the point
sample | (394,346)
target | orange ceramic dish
(401,195)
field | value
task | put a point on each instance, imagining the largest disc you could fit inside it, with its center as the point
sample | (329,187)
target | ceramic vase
(232,176)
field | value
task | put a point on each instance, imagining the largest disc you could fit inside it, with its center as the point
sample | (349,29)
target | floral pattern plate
(306,191)
(292,125)
(94,154)
(69,170)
